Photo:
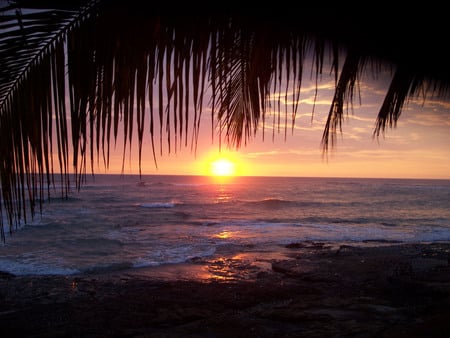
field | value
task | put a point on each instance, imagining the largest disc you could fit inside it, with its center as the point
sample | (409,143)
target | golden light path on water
(225,234)
(225,267)
(243,266)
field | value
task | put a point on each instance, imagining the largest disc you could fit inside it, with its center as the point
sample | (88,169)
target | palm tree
(121,65)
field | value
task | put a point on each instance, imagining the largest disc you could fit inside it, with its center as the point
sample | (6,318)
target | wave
(271,202)
(175,254)
(158,205)
(279,202)
(154,184)
(34,268)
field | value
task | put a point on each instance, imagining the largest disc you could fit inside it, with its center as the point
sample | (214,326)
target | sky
(417,148)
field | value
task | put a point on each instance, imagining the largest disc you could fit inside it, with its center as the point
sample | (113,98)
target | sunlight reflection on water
(226,234)
(240,267)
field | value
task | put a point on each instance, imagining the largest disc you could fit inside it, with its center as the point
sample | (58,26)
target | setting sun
(222,167)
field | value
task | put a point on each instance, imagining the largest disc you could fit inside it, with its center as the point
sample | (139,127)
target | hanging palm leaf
(117,65)
(32,92)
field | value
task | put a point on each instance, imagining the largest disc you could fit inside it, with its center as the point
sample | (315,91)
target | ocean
(126,222)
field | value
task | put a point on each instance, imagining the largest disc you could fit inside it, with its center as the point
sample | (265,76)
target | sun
(223,167)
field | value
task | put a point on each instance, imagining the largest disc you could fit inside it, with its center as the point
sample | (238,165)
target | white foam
(157,205)
(173,255)
(33,268)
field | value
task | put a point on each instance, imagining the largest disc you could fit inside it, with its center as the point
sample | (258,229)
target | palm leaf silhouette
(121,67)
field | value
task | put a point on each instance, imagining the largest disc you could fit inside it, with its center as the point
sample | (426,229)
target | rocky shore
(386,290)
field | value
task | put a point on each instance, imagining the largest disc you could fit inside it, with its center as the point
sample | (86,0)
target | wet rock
(6,275)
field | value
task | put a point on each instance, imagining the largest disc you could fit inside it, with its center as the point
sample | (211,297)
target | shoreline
(388,290)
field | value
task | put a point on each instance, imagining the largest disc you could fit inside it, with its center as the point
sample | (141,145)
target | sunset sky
(417,148)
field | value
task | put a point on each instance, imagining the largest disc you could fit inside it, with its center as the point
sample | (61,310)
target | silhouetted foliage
(121,65)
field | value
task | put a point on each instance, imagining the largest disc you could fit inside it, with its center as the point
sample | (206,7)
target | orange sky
(417,148)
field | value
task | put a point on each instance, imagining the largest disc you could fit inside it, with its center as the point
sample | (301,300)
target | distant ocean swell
(158,205)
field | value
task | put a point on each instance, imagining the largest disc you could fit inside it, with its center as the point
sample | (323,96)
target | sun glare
(222,167)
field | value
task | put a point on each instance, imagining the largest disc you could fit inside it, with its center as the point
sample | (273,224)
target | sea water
(120,222)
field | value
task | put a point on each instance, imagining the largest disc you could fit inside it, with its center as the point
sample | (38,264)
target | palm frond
(32,78)
(125,69)
(343,96)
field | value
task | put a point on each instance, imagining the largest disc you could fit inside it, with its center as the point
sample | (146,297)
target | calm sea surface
(120,222)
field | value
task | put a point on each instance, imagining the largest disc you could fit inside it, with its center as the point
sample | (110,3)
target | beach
(318,290)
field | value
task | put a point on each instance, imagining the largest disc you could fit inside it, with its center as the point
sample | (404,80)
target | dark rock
(6,275)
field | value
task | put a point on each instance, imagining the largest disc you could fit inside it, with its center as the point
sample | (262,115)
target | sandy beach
(318,290)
